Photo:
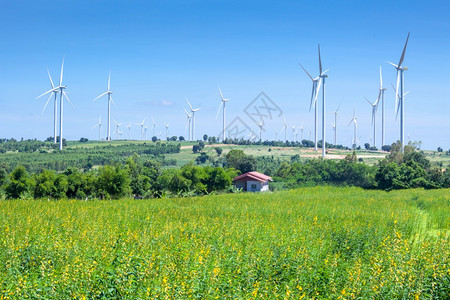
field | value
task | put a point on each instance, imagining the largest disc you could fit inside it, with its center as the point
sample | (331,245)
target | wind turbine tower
(99,125)
(322,77)
(374,124)
(117,128)
(193,111)
(223,102)
(285,125)
(381,96)
(400,96)
(260,125)
(108,92)
(167,130)
(129,131)
(355,127)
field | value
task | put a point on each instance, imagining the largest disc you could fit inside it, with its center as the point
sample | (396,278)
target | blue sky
(168,50)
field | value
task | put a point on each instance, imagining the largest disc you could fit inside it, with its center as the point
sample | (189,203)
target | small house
(252,182)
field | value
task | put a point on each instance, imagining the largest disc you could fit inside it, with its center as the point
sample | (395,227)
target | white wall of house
(253,186)
(264,186)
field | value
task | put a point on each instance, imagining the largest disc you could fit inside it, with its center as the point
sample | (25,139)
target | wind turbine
(145,132)
(188,123)
(314,93)
(293,132)
(142,128)
(154,127)
(260,125)
(336,116)
(117,128)
(54,91)
(276,134)
(193,111)
(129,130)
(301,132)
(60,89)
(400,96)
(223,102)
(167,130)
(108,92)
(333,125)
(381,96)
(374,124)
(322,80)
(285,125)
(99,125)
(354,128)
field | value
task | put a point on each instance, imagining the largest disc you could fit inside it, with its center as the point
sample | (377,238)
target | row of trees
(399,170)
(133,178)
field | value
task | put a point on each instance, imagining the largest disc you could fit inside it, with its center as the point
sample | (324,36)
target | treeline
(135,178)
(399,170)
(43,156)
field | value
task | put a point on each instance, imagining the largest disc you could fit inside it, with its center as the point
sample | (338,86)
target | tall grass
(322,242)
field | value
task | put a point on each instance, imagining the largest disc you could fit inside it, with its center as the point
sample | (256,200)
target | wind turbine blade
(404,50)
(381,79)
(51,95)
(317,91)
(190,106)
(392,64)
(62,70)
(67,98)
(221,96)
(368,101)
(320,60)
(325,71)
(112,101)
(219,109)
(312,95)
(306,71)
(396,89)
(337,109)
(109,80)
(100,96)
(50,77)
(45,93)
(350,122)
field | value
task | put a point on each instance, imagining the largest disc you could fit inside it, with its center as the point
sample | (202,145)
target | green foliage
(408,169)
(34,161)
(113,181)
(19,185)
(238,160)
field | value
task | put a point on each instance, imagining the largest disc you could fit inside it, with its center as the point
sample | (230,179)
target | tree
(205,137)
(196,149)
(218,151)
(238,160)
(181,138)
(173,138)
(20,184)
(386,148)
(83,140)
(439,149)
(367,146)
(202,158)
(113,181)
(154,139)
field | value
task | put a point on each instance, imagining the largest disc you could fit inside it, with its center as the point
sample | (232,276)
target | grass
(321,242)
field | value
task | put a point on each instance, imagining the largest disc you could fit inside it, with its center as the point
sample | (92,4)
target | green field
(321,242)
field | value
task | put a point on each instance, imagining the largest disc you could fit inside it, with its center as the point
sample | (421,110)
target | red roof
(253,176)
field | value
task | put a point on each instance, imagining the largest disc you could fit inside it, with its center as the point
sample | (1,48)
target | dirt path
(209,146)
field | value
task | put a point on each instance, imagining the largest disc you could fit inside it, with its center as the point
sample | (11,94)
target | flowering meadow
(321,242)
